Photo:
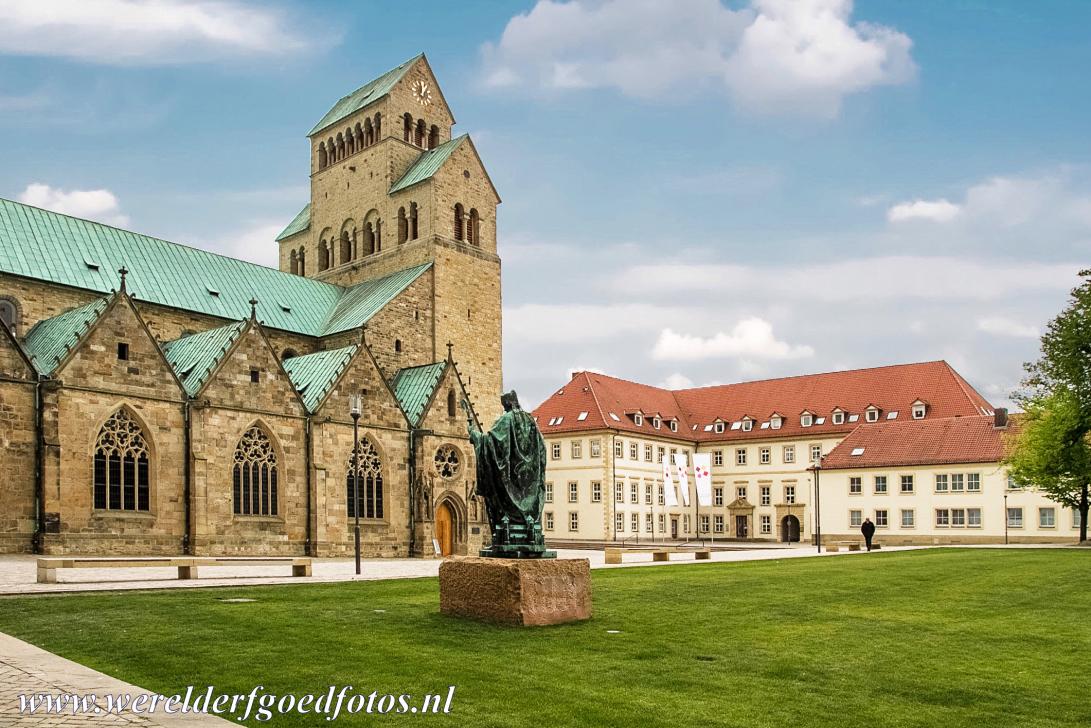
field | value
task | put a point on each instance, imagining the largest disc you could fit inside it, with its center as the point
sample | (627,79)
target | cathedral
(159,399)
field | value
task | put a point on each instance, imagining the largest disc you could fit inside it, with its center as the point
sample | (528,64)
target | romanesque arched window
(407,127)
(459,215)
(122,471)
(403,225)
(433,137)
(370,472)
(340,146)
(451,403)
(422,130)
(255,475)
(294,264)
(9,314)
(332,148)
(323,159)
(368,133)
(378,235)
(350,141)
(377,128)
(363,136)
(369,239)
(302,262)
(412,221)
(323,256)
(473,228)
(346,247)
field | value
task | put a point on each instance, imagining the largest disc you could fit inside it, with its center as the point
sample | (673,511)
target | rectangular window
(718,523)
(704,523)
(789,494)
(943,517)
(717,457)
(856,485)
(766,524)
(765,456)
(596,491)
(1015,518)
(1076,518)
(573,521)
(634,450)
(880,484)
(958,482)
(647,453)
(634,522)
(740,456)
(661,495)
(573,492)
(549,520)
(907,483)
(619,522)
(548,490)
(941,483)
(555,451)
(958,517)
(789,453)
(856,517)
(881,519)
(255,376)
(660,453)
(662,523)
(973,517)
(766,495)
(816,453)
(685,524)
(648,522)
(619,449)
(1047,517)
(634,493)
(717,496)
(647,494)
(577,449)
(909,518)
(596,449)
(973,482)
(619,492)
(122,351)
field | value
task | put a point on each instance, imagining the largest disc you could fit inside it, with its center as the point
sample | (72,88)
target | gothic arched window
(459,215)
(473,229)
(122,472)
(255,475)
(370,471)
(451,403)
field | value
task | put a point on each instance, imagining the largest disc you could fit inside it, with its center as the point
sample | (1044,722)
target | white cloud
(676,381)
(750,337)
(931,210)
(255,243)
(775,56)
(99,205)
(144,31)
(1007,327)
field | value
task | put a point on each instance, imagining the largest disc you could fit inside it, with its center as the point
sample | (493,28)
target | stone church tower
(392,189)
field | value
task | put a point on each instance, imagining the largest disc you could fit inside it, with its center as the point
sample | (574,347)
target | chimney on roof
(1000,418)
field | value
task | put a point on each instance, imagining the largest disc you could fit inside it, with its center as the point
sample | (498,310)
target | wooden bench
(614,555)
(186,565)
(835,546)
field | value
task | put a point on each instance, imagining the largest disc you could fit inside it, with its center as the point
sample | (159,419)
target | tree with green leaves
(1052,450)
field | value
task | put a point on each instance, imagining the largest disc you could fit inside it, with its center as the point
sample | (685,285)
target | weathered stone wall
(17,442)
(37,300)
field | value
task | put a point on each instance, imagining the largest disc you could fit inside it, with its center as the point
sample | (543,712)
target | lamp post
(817,506)
(1005,518)
(355,404)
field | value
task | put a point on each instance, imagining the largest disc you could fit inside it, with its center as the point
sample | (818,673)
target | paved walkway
(26,670)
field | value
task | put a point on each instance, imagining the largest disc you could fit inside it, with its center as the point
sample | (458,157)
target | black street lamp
(355,404)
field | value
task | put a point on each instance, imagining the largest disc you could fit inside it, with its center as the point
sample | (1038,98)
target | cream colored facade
(756,496)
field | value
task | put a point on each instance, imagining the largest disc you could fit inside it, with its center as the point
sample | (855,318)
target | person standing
(868,529)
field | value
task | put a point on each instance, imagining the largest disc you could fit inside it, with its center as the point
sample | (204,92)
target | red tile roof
(920,442)
(891,388)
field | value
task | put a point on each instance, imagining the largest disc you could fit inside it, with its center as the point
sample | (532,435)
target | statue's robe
(511,461)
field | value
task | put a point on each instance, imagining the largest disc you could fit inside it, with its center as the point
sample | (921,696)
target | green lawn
(979,638)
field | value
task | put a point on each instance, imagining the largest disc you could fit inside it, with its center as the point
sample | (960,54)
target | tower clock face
(422,92)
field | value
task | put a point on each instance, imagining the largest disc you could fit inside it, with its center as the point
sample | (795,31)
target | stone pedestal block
(527,592)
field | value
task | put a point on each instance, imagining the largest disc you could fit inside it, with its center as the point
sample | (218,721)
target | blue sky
(694,191)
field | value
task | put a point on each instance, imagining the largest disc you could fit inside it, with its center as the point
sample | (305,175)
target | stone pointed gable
(361,374)
(231,382)
(96,359)
(436,416)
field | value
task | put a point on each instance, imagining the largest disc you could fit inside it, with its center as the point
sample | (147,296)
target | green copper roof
(314,374)
(46,245)
(299,223)
(414,387)
(364,300)
(194,357)
(361,97)
(427,164)
(51,339)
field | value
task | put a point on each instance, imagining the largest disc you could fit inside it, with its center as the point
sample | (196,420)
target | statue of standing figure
(511,463)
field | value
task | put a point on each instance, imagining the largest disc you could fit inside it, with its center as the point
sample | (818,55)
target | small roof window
(857,452)
(582,416)
(212,291)
(614,417)
(892,415)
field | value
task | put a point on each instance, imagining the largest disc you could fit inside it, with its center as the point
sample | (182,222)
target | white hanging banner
(670,498)
(702,477)
(683,480)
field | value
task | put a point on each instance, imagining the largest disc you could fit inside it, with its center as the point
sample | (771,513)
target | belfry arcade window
(369,469)
(121,468)
(255,475)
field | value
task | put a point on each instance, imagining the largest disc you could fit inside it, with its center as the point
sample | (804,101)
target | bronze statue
(511,463)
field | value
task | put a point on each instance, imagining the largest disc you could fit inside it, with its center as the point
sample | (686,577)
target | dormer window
(674,425)
(871,414)
(747,425)
(838,417)
(657,423)
(919,410)
(775,422)
(806,419)
(718,426)
(638,419)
